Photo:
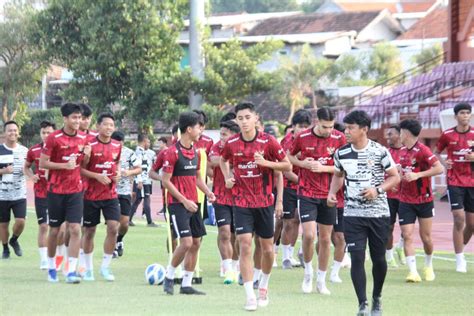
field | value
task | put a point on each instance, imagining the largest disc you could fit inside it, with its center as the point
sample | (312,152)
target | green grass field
(25,291)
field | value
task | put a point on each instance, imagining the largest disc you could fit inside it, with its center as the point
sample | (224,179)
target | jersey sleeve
(226,152)
(48,147)
(209,146)
(387,160)
(29,156)
(442,143)
(275,150)
(169,161)
(337,162)
(159,161)
(429,157)
(215,152)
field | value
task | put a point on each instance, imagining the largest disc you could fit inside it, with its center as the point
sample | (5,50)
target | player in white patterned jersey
(130,166)
(369,171)
(12,188)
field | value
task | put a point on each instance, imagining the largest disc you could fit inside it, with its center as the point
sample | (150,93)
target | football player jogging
(223,205)
(180,177)
(63,152)
(418,165)
(129,166)
(394,147)
(301,120)
(39,178)
(254,156)
(459,145)
(367,171)
(315,148)
(103,172)
(12,188)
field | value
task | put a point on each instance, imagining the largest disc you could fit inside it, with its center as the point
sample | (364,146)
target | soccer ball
(155,274)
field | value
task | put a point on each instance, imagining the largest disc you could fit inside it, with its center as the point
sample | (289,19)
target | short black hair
(462,106)
(395,127)
(339,127)
(301,116)
(10,123)
(45,124)
(228,116)
(118,136)
(188,119)
(163,139)
(174,129)
(202,117)
(244,106)
(102,116)
(270,129)
(231,126)
(358,117)
(86,109)
(411,125)
(70,108)
(142,137)
(326,114)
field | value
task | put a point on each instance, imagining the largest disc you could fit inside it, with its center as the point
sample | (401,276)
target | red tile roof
(315,23)
(434,25)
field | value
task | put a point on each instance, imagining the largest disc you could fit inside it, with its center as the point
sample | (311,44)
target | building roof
(409,6)
(314,23)
(431,26)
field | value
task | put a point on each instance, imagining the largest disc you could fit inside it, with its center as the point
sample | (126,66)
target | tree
(123,53)
(310,6)
(231,72)
(299,79)
(429,57)
(384,62)
(20,71)
(350,70)
(253,6)
(30,130)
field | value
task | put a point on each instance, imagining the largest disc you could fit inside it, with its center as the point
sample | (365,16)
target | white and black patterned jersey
(13,186)
(147,157)
(363,169)
(128,160)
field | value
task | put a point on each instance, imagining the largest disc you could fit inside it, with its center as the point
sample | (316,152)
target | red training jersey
(33,156)
(309,145)
(457,146)
(416,159)
(105,159)
(223,195)
(286,144)
(160,158)
(205,143)
(61,147)
(253,183)
(395,152)
(183,163)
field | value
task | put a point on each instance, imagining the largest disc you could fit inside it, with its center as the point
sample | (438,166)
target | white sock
(82,261)
(106,260)
(88,260)
(401,244)
(275,248)
(336,266)
(285,251)
(411,262)
(227,265)
(61,250)
(170,270)
(264,281)
(291,250)
(308,268)
(52,263)
(460,258)
(321,277)
(43,251)
(187,278)
(235,265)
(428,261)
(256,274)
(66,253)
(72,264)
(389,254)
(249,290)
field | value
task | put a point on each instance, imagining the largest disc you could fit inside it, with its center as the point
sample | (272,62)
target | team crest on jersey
(413,161)
(331,150)
(114,155)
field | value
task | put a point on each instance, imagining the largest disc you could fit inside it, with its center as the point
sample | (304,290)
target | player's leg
(278,233)
(266,245)
(425,220)
(337,238)
(5,215)
(456,196)
(469,227)
(147,205)
(393,206)
(61,249)
(56,213)
(125,206)
(307,210)
(137,199)
(326,218)
(378,234)
(41,208)
(289,227)
(224,221)
(407,218)
(19,212)
(111,211)
(74,206)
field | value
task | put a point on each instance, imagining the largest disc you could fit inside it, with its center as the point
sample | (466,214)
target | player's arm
(204,188)
(132,171)
(154,175)
(45,163)
(228,176)
(440,147)
(279,196)
(291,176)
(392,179)
(168,185)
(336,184)
(99,177)
(282,165)
(28,172)
(436,169)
